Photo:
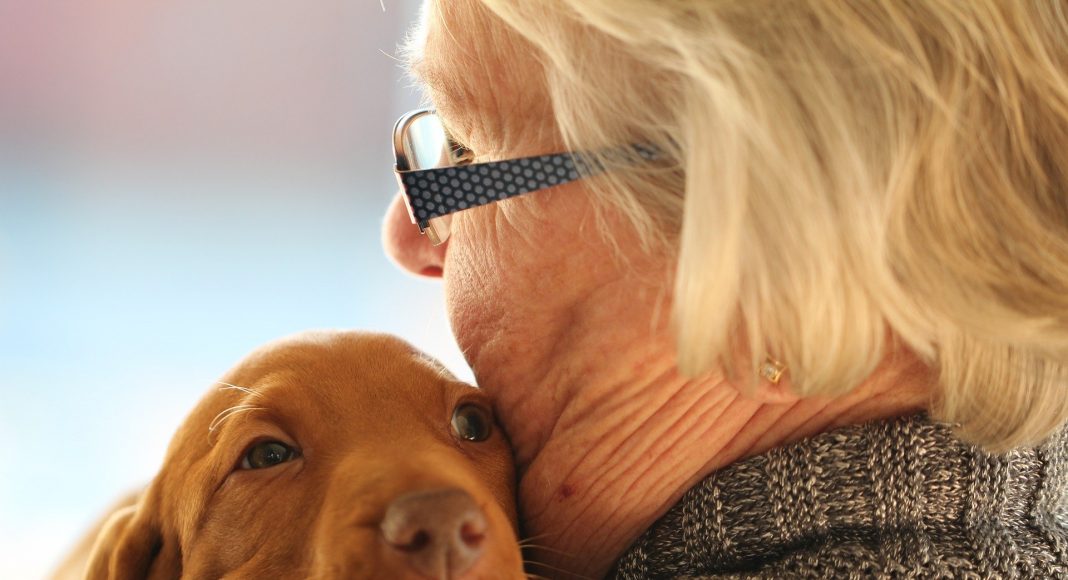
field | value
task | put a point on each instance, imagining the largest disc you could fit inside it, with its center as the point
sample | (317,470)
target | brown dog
(326,455)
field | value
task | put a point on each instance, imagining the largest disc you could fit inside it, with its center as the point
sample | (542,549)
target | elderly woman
(797,282)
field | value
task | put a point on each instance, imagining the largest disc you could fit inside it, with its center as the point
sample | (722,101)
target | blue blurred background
(179,183)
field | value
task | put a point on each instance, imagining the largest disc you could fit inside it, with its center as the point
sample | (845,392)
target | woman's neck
(605,449)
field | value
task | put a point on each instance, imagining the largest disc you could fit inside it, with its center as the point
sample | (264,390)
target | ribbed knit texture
(893,499)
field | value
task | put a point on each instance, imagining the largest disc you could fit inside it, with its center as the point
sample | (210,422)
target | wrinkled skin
(371,418)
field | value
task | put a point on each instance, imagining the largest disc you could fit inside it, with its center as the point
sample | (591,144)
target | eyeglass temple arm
(438,192)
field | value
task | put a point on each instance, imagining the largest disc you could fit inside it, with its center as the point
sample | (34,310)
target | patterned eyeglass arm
(431,193)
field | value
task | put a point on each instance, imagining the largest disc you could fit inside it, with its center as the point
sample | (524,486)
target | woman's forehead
(480,74)
(439,43)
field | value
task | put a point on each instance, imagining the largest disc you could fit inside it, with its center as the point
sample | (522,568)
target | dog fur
(370,419)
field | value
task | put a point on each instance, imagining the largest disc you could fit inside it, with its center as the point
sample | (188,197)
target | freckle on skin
(567,490)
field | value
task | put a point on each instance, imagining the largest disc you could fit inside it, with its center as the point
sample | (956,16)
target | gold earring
(772,370)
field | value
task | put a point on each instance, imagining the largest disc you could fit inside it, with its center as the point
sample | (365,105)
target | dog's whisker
(555,569)
(228,386)
(223,416)
(529,541)
(545,549)
(537,537)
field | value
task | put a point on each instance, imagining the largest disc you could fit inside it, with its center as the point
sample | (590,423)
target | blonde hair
(840,175)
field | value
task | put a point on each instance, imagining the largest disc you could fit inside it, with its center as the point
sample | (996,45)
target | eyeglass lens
(426,145)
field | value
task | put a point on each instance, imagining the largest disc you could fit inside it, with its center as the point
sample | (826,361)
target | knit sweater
(894,499)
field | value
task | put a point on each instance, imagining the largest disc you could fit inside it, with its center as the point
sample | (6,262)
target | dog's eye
(267,454)
(472,422)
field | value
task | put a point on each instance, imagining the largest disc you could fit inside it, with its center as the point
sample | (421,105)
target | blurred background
(179,183)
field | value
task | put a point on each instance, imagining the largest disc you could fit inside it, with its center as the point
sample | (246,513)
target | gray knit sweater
(894,499)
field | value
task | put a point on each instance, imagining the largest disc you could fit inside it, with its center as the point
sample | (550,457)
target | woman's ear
(130,546)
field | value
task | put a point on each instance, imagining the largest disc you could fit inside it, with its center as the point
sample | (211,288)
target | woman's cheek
(474,297)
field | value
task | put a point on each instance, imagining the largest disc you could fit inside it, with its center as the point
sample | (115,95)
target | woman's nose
(406,246)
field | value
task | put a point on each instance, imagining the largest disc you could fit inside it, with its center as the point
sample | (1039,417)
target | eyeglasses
(438,178)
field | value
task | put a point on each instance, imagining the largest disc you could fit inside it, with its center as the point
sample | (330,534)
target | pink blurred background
(239,81)
(179,182)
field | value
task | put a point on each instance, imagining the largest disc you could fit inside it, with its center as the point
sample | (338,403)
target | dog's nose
(439,531)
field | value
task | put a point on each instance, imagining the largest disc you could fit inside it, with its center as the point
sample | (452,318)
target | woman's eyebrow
(437,84)
(420,71)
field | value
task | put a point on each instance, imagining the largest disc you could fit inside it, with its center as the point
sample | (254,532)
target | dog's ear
(131,546)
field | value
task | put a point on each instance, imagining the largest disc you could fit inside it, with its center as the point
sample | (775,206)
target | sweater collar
(853,484)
